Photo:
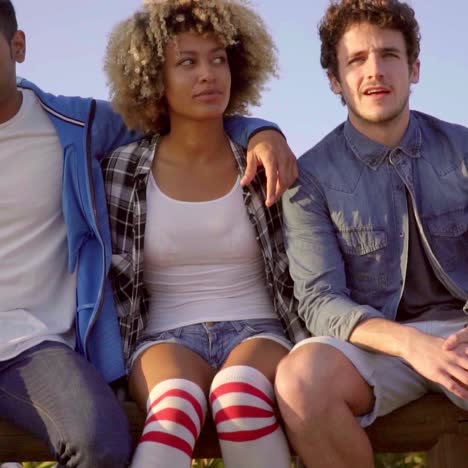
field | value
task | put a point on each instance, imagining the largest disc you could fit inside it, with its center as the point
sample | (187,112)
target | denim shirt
(346,221)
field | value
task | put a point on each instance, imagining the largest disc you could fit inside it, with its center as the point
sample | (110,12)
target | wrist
(410,343)
(255,132)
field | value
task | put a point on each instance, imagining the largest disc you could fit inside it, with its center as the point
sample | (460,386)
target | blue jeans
(214,341)
(55,394)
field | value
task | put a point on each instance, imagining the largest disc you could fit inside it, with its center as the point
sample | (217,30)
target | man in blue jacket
(377,236)
(55,254)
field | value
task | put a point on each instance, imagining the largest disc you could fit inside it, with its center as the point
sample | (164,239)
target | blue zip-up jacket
(88,129)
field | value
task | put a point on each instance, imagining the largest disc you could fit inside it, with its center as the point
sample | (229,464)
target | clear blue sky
(67,39)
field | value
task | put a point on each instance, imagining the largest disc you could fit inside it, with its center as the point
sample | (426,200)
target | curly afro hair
(135,55)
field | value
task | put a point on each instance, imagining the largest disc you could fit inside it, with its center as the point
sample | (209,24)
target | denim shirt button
(402,234)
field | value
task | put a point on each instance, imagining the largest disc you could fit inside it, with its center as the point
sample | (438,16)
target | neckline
(154,184)
(26,100)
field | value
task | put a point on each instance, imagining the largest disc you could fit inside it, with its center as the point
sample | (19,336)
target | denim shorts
(214,341)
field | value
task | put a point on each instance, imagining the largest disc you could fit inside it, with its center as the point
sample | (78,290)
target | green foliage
(400,460)
(386,460)
(39,465)
(211,463)
(408,460)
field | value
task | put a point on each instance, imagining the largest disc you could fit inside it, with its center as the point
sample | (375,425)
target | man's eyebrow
(390,49)
(357,53)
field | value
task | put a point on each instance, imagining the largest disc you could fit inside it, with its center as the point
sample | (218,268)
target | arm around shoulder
(267,147)
(109,131)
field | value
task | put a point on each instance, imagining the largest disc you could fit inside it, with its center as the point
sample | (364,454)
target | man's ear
(18,46)
(415,69)
(335,85)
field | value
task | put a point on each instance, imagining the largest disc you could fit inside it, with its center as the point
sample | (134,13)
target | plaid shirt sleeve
(124,173)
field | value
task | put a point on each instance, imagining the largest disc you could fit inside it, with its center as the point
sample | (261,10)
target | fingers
(269,149)
(453,386)
(287,172)
(454,375)
(271,172)
(295,170)
(458,373)
(462,352)
(460,358)
(251,169)
(456,339)
(269,163)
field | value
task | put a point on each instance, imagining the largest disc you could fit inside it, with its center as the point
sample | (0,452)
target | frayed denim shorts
(214,341)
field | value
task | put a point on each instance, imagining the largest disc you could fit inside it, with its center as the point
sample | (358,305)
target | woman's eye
(219,60)
(186,62)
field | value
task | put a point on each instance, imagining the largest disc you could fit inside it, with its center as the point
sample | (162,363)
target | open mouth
(376,92)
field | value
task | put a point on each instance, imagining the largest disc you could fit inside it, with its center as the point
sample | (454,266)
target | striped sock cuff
(242,402)
(176,412)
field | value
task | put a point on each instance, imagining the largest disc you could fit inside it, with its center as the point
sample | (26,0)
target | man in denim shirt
(377,236)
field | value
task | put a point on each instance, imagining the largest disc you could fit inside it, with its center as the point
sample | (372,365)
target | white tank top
(202,261)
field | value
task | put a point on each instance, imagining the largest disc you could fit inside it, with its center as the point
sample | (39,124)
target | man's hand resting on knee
(443,361)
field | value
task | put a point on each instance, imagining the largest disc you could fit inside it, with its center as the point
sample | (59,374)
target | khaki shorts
(393,380)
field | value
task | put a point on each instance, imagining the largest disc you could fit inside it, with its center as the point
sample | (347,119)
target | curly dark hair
(135,55)
(390,14)
(8,23)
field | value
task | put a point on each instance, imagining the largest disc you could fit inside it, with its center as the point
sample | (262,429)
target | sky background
(66,42)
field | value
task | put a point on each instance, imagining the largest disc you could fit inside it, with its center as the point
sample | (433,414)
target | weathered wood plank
(451,451)
(418,426)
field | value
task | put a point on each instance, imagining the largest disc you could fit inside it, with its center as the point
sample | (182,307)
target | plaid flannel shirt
(126,173)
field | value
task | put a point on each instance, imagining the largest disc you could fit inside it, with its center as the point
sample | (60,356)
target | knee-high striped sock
(176,412)
(241,400)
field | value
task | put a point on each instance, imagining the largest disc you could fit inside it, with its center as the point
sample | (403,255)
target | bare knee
(302,381)
(313,380)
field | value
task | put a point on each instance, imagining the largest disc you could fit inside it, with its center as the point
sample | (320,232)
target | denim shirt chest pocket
(362,250)
(448,235)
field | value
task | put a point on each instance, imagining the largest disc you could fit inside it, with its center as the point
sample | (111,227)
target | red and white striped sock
(241,401)
(176,412)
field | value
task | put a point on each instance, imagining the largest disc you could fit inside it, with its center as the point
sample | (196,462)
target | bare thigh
(167,361)
(261,353)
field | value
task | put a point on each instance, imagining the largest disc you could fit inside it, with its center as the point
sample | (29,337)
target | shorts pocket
(262,325)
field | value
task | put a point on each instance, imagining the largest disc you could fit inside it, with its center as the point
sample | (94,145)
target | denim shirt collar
(373,154)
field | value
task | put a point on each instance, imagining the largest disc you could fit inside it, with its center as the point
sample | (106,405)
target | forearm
(331,312)
(385,336)
(241,129)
